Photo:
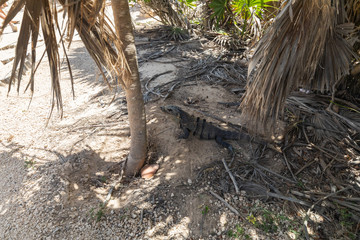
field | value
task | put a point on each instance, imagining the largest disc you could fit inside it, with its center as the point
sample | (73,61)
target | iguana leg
(185,134)
(220,141)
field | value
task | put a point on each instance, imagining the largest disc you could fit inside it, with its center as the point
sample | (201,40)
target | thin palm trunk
(134,97)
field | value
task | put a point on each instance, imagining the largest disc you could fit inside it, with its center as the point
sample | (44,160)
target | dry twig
(231,176)
(226,204)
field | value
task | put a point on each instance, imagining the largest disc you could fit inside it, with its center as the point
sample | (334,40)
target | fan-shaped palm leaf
(304,47)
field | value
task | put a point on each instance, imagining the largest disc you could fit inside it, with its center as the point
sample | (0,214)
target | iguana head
(173,110)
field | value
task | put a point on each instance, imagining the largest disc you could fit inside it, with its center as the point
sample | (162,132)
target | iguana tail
(232,135)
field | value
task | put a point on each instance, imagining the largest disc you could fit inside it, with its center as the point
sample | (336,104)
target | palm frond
(169,13)
(14,10)
(87,17)
(304,47)
(341,125)
(98,37)
(48,29)
(353,11)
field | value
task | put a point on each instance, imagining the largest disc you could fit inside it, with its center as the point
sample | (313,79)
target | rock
(149,170)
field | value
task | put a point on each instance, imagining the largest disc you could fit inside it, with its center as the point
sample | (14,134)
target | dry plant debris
(63,180)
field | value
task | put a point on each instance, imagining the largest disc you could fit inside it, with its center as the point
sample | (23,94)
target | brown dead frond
(34,12)
(353,10)
(169,13)
(99,37)
(339,124)
(304,47)
(87,17)
(229,42)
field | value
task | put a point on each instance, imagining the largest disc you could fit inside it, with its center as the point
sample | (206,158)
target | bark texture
(134,97)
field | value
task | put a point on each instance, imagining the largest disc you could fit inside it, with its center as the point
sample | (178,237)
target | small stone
(189,181)
(148,171)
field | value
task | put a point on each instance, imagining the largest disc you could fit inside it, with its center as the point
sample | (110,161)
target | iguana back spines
(201,128)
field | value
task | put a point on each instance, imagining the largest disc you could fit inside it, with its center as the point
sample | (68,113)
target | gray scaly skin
(202,129)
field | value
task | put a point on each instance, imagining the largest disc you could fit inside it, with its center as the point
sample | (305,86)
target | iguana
(202,129)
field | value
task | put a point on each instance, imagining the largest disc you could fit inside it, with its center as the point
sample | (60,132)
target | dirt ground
(57,174)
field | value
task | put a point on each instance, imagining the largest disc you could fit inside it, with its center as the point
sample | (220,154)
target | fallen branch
(226,204)
(231,176)
(156,55)
(303,167)
(312,207)
(288,166)
(116,184)
(272,172)
(151,79)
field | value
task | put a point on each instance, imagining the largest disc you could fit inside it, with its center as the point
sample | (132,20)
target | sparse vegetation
(205,210)
(350,227)
(103,179)
(272,222)
(238,233)
(238,18)
(97,213)
(29,163)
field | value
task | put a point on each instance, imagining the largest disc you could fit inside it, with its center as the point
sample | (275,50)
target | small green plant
(251,13)
(205,210)
(271,222)
(345,218)
(29,163)
(238,233)
(251,219)
(248,8)
(178,34)
(103,179)
(195,21)
(268,222)
(97,215)
(188,3)
(230,233)
(347,223)
(219,7)
(244,15)
(300,184)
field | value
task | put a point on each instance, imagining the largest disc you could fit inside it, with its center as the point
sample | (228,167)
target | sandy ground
(56,174)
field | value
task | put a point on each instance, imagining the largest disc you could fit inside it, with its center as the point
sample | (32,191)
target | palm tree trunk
(134,97)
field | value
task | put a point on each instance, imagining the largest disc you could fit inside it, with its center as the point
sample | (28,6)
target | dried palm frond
(177,34)
(87,17)
(169,12)
(335,125)
(353,11)
(34,12)
(99,38)
(304,47)
(228,42)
